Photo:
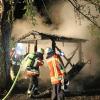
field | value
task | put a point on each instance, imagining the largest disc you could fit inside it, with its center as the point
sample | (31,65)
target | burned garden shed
(34,36)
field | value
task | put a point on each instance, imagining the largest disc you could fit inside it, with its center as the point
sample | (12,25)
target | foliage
(30,10)
(20,8)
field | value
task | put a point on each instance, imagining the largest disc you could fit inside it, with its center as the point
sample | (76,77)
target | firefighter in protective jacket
(57,71)
(32,62)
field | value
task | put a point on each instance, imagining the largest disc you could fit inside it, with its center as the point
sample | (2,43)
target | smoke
(20,28)
(62,21)
(69,27)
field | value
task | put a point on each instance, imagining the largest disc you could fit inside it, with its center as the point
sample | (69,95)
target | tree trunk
(2,70)
(5,31)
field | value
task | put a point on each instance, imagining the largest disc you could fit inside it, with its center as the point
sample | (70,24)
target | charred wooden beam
(53,44)
(35,46)
(46,36)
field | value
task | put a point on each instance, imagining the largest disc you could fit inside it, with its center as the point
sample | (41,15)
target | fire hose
(10,90)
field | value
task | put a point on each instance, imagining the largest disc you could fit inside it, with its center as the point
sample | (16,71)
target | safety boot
(29,94)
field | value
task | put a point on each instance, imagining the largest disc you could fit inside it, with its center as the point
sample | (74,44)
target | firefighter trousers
(33,84)
(57,92)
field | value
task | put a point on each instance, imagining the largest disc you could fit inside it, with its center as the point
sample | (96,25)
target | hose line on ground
(12,85)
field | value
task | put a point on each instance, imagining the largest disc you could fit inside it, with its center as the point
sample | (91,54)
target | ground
(19,93)
(23,97)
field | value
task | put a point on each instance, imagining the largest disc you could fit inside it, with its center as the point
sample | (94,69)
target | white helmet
(48,50)
(13,49)
(40,50)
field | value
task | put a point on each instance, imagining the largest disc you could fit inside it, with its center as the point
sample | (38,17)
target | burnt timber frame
(46,36)
(54,38)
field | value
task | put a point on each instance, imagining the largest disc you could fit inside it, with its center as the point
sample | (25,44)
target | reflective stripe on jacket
(34,67)
(32,63)
(56,69)
(28,60)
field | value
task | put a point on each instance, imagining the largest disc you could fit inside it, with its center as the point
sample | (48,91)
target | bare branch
(94,3)
(77,8)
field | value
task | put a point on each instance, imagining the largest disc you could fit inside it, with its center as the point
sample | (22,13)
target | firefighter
(57,72)
(32,62)
(14,62)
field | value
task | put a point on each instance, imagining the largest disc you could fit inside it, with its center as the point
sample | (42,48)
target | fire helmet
(12,49)
(40,50)
(49,50)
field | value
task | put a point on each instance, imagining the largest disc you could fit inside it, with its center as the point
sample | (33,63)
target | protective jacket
(32,63)
(56,69)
